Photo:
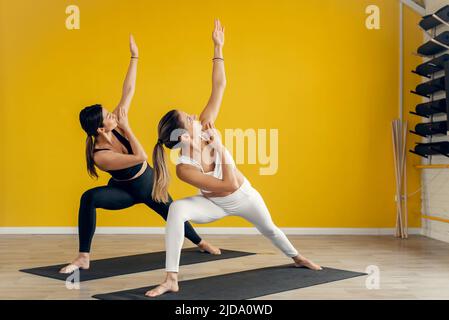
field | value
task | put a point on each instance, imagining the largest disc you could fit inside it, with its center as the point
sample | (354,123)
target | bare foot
(81,262)
(206,247)
(167,286)
(301,261)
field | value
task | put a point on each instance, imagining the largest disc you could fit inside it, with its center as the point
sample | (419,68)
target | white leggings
(246,202)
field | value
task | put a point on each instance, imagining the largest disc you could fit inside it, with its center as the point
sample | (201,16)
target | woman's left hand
(122,119)
(133,46)
(218,34)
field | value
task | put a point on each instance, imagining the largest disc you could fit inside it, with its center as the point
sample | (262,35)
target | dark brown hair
(91,118)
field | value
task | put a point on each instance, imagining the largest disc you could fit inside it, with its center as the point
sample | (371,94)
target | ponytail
(90,157)
(91,118)
(161,175)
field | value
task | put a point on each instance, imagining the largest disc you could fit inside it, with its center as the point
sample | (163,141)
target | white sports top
(217,172)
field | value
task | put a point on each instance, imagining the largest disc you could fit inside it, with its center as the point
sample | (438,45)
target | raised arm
(210,112)
(130,80)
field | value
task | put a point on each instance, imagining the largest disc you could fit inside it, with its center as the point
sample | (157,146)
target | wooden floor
(416,268)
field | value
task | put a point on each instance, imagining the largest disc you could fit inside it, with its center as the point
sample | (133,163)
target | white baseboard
(205,230)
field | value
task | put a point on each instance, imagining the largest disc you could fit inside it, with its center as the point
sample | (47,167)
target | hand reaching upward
(218,34)
(133,46)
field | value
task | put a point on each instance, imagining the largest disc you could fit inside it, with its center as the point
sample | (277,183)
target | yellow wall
(309,68)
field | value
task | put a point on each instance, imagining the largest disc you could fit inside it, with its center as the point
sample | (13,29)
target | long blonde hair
(161,177)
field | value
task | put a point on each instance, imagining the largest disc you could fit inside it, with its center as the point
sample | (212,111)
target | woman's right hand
(214,137)
(122,119)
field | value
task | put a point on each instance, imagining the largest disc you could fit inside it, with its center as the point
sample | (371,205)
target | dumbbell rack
(436,70)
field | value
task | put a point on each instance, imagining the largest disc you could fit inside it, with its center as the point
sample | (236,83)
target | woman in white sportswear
(206,164)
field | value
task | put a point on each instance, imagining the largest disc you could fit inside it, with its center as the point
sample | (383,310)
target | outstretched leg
(255,211)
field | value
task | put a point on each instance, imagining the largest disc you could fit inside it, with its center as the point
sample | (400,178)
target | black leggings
(120,195)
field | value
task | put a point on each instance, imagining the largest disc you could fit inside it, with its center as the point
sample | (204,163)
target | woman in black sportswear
(112,147)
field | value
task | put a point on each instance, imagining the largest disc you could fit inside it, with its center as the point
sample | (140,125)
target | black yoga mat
(432,86)
(117,266)
(240,285)
(429,21)
(431,48)
(427,68)
(425,129)
(432,107)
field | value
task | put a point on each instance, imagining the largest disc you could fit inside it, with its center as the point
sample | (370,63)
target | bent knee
(88,197)
(176,206)
(177,210)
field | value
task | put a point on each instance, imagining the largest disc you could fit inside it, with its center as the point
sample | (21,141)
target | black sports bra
(126,173)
